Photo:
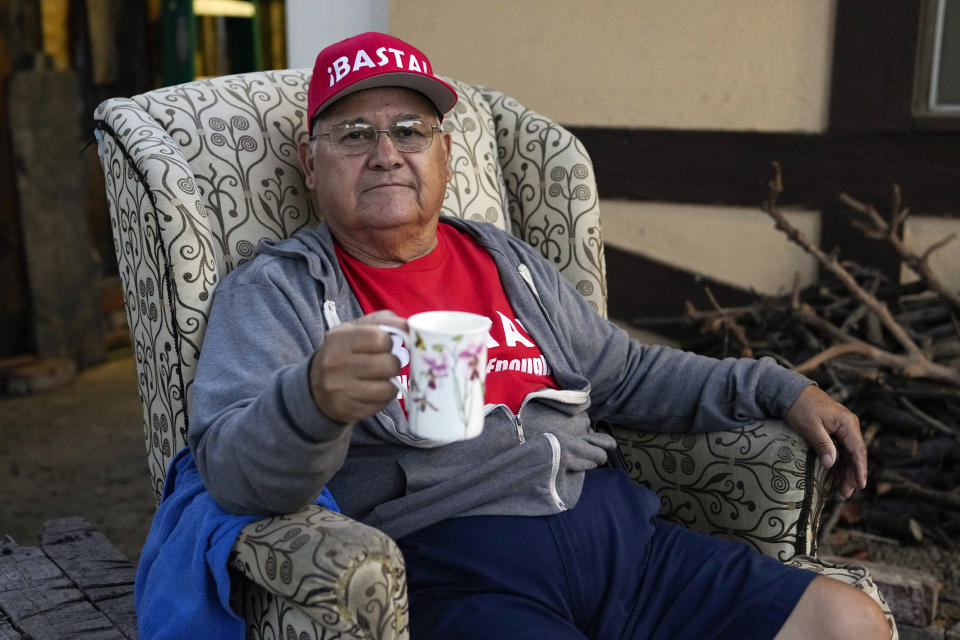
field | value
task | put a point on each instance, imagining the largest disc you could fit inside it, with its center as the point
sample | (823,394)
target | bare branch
(808,316)
(903,485)
(928,419)
(937,245)
(795,293)
(869,230)
(727,321)
(878,222)
(906,365)
(832,265)
(878,229)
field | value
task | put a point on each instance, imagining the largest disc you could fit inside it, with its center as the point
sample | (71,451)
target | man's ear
(305,151)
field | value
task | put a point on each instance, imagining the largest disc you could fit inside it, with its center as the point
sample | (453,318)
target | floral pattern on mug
(420,399)
(472,356)
(447,359)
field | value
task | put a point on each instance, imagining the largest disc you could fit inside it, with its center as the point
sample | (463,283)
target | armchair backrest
(198,173)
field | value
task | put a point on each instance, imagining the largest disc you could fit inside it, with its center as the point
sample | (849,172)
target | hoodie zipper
(566,397)
(555,470)
(521,437)
(330,315)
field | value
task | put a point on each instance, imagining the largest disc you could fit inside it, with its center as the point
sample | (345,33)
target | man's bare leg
(832,610)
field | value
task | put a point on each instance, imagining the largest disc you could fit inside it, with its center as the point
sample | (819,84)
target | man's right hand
(350,372)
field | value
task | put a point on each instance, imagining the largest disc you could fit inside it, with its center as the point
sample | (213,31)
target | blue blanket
(182,588)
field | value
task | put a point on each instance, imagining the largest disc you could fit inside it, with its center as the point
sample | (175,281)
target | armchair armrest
(760,484)
(346,576)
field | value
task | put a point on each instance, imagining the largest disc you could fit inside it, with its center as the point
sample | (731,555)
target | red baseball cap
(374,60)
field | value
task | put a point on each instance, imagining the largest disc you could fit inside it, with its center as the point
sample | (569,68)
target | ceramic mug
(448,367)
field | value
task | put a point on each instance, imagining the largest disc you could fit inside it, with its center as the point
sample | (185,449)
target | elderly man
(519,532)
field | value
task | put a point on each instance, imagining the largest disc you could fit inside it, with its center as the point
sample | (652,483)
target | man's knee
(861,615)
(832,609)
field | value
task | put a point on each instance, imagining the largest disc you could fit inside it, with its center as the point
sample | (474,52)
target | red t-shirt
(458,275)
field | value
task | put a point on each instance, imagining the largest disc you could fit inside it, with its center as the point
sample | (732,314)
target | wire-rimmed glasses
(357,138)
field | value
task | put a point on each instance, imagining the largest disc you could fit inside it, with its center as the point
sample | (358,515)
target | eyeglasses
(354,139)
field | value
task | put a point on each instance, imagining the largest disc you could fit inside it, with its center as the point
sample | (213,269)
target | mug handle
(406,338)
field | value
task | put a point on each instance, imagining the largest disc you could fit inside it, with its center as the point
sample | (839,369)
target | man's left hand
(816,416)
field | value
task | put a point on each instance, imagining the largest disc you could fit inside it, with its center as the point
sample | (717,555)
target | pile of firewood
(888,351)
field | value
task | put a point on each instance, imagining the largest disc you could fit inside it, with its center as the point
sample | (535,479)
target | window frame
(924,116)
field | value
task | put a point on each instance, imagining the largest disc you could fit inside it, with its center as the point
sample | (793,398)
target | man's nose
(384,153)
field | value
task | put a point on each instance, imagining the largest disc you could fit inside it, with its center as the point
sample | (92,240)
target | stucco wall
(735,245)
(922,232)
(689,64)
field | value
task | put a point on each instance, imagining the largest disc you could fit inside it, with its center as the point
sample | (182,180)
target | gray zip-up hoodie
(262,445)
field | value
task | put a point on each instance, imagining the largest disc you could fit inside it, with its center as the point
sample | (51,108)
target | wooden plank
(96,566)
(30,584)
(64,279)
(122,613)
(40,601)
(7,632)
(87,557)
(76,621)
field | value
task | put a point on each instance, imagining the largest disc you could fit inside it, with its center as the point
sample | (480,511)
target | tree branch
(913,364)
(727,321)
(833,265)
(877,228)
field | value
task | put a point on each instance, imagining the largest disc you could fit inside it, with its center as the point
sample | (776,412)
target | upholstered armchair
(197,174)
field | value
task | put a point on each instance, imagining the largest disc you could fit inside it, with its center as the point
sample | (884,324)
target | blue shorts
(605,569)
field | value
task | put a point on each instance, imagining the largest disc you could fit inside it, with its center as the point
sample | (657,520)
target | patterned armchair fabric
(759,484)
(197,174)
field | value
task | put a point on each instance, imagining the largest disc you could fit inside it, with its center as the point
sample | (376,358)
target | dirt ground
(77,451)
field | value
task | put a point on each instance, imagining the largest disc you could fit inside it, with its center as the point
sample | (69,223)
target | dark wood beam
(732,168)
(726,168)
(874,56)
